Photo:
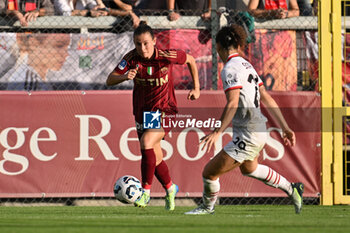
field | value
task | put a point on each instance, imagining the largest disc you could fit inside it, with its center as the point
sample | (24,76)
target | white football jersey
(239,73)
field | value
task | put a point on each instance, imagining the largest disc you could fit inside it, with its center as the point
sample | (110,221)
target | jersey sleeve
(174,56)
(181,57)
(230,80)
(124,65)
(260,82)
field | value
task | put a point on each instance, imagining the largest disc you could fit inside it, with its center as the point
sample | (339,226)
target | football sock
(148,166)
(210,193)
(170,189)
(271,178)
(162,174)
(148,191)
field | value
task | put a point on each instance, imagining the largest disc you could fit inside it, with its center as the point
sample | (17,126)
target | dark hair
(143,28)
(231,36)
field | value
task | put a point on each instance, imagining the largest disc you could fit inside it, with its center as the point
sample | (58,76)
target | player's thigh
(150,138)
(220,164)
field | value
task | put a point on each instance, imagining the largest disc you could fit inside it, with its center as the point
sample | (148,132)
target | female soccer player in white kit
(244,90)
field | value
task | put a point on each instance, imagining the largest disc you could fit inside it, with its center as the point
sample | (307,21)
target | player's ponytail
(143,28)
(231,36)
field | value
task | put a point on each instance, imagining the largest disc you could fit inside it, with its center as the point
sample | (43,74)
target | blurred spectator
(273,9)
(78,8)
(305,7)
(8,52)
(121,8)
(315,7)
(238,5)
(26,10)
(152,5)
(40,54)
(188,7)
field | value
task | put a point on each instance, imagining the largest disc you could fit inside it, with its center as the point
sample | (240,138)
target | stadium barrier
(284,52)
(82,51)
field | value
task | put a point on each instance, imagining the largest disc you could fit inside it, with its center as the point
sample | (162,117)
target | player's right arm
(122,71)
(115,78)
(274,110)
(232,98)
(232,86)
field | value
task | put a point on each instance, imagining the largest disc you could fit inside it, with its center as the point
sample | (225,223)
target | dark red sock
(148,166)
(162,174)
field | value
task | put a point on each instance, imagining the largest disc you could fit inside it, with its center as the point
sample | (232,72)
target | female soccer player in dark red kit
(148,67)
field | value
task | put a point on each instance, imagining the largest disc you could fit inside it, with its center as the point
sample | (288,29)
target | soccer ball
(127,189)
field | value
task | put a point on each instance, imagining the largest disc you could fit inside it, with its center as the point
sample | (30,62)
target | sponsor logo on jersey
(164,70)
(152,81)
(122,65)
(247,65)
(231,79)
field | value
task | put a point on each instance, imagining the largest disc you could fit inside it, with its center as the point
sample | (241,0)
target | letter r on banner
(85,137)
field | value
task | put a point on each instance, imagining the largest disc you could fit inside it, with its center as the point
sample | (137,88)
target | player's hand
(193,94)
(132,73)
(288,137)
(209,140)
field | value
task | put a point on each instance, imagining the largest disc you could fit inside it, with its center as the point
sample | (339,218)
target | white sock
(170,189)
(210,193)
(148,191)
(271,178)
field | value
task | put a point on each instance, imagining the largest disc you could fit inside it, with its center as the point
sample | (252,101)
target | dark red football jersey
(153,84)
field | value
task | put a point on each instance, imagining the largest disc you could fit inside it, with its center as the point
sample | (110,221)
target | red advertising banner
(76,144)
(195,42)
(274,56)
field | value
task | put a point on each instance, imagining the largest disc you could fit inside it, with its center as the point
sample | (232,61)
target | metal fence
(78,52)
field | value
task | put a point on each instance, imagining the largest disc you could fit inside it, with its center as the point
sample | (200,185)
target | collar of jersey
(231,56)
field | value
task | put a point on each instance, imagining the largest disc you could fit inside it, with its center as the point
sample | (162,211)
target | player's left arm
(274,110)
(191,63)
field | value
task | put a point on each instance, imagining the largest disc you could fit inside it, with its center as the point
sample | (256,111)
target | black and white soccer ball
(127,189)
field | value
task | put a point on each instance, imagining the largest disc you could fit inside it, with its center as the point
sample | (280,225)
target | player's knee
(209,172)
(146,142)
(247,172)
(208,175)
(248,167)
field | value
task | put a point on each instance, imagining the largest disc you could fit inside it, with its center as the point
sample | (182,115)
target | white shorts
(246,142)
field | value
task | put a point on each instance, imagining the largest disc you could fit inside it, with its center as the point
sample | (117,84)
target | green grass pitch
(153,219)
